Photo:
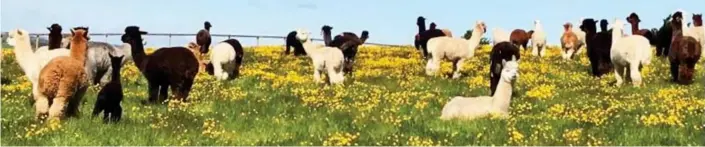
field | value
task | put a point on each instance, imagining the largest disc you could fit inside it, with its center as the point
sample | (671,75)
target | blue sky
(389,21)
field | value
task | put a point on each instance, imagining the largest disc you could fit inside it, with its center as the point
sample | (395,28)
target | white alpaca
(538,39)
(324,58)
(628,54)
(474,107)
(31,62)
(455,49)
(223,57)
(499,35)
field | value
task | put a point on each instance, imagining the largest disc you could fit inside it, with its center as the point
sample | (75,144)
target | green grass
(389,101)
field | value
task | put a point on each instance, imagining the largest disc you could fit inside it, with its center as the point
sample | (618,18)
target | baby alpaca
(628,54)
(226,60)
(538,40)
(455,49)
(469,108)
(63,81)
(111,95)
(569,42)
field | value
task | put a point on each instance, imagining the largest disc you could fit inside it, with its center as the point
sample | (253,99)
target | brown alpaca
(685,53)
(63,81)
(195,48)
(634,20)
(698,20)
(520,37)
(569,41)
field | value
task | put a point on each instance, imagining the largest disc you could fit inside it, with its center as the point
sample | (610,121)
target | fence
(170,35)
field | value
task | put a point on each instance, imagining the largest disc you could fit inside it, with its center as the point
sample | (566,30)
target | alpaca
(455,49)
(685,52)
(326,30)
(499,35)
(226,59)
(293,42)
(348,42)
(598,47)
(196,50)
(54,36)
(203,37)
(110,96)
(538,40)
(98,63)
(63,82)
(628,54)
(474,107)
(520,38)
(634,20)
(174,67)
(421,39)
(569,42)
(664,37)
(500,52)
(324,58)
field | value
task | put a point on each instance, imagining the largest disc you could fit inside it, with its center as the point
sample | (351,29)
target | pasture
(388,101)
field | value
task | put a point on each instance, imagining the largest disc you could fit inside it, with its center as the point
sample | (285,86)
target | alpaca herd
(61,72)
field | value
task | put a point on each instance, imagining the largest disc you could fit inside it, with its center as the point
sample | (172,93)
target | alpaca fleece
(63,81)
(664,37)
(501,51)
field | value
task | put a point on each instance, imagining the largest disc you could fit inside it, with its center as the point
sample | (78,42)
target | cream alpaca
(474,107)
(538,39)
(324,58)
(628,54)
(455,49)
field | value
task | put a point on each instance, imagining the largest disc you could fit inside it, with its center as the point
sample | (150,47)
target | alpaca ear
(49,28)
(504,62)
(72,32)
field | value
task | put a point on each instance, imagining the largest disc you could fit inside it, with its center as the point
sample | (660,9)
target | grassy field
(388,101)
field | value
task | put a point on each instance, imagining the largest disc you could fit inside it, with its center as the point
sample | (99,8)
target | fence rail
(170,35)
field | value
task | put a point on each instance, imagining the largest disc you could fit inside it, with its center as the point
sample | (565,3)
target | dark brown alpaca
(685,52)
(698,20)
(203,38)
(598,46)
(55,36)
(421,39)
(174,67)
(501,51)
(519,37)
(348,42)
(634,20)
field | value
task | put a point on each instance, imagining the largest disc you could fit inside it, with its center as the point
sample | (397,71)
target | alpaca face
(16,35)
(510,71)
(116,61)
(133,33)
(633,18)
(589,25)
(698,20)
(685,72)
(480,25)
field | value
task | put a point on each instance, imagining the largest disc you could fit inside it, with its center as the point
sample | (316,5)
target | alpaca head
(133,34)
(618,25)
(480,25)
(567,26)
(603,24)
(116,61)
(54,29)
(530,33)
(432,26)
(589,25)
(364,36)
(207,25)
(537,22)
(302,35)
(17,35)
(79,34)
(633,18)
(698,20)
(510,71)
(420,21)
(326,29)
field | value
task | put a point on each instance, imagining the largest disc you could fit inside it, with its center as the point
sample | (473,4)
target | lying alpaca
(63,82)
(226,60)
(111,95)
(292,42)
(203,37)
(500,52)
(455,49)
(634,20)
(324,58)
(196,49)
(598,47)
(520,38)
(569,42)
(422,38)
(169,66)
(499,35)
(348,42)
(475,107)
(538,40)
(685,53)
(628,54)
(664,37)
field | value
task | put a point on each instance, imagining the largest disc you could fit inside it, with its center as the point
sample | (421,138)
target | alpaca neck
(363,39)
(23,51)
(138,54)
(474,40)
(635,28)
(78,51)
(54,41)
(422,27)
(616,36)
(115,75)
(502,95)
(327,37)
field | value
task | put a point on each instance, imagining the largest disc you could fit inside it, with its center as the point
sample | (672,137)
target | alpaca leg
(99,105)
(618,73)
(153,93)
(316,74)
(534,49)
(542,50)
(116,114)
(635,74)
(57,108)
(674,70)
(163,93)
(74,103)
(432,66)
(41,103)
(456,68)
(218,71)
(185,89)
(288,49)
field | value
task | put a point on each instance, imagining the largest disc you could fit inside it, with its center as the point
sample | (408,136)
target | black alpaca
(203,38)
(169,66)
(501,51)
(664,38)
(421,39)
(348,42)
(291,41)
(327,38)
(598,46)
(110,96)
(55,36)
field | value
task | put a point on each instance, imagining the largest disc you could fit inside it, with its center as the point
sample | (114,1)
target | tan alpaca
(196,49)
(63,80)
(569,41)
